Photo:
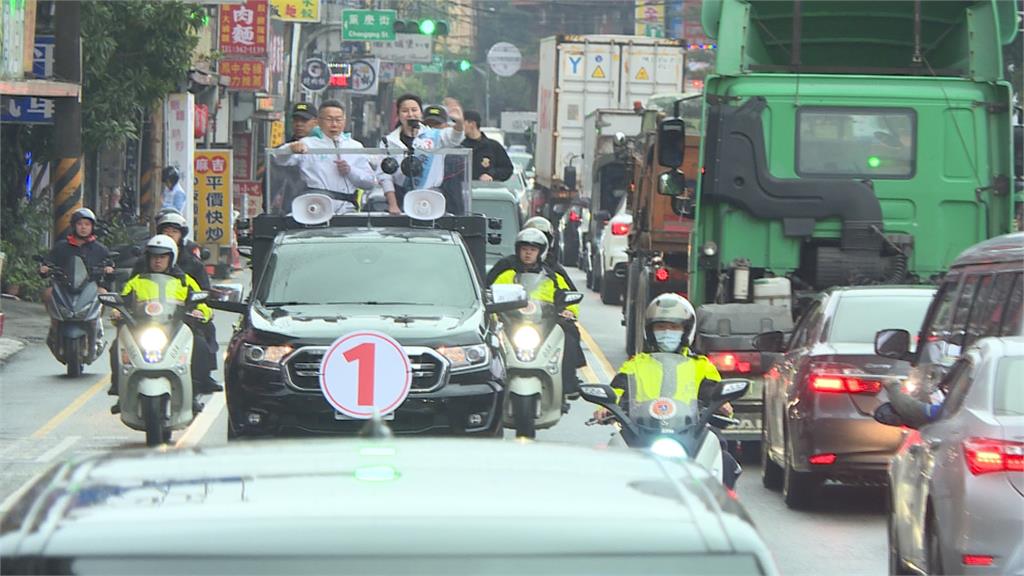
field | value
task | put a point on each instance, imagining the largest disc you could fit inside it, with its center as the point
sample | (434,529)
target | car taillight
(841,379)
(620,228)
(986,455)
(741,362)
(661,274)
(574,216)
(977,560)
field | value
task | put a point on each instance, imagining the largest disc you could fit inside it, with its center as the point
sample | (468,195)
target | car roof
(493,193)
(364,234)
(1005,248)
(361,496)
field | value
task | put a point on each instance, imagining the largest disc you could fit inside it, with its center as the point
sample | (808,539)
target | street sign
(368,25)
(243,28)
(365,372)
(213,187)
(435,67)
(315,74)
(405,49)
(504,59)
(26,110)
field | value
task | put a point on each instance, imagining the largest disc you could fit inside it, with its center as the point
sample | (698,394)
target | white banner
(180,145)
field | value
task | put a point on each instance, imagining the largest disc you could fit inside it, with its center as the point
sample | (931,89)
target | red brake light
(620,228)
(839,378)
(977,560)
(661,274)
(986,455)
(822,459)
(742,362)
(574,216)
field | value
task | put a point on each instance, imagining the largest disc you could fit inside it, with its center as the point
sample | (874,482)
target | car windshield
(369,272)
(508,212)
(1009,394)
(521,160)
(858,318)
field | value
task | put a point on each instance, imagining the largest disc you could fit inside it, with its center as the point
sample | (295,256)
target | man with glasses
(339,176)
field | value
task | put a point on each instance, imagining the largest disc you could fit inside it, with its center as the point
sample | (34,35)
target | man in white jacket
(339,176)
(412,133)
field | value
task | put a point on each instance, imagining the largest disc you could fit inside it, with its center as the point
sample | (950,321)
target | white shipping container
(579,74)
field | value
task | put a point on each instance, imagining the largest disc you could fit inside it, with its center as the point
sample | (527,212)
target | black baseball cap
(435,113)
(304,110)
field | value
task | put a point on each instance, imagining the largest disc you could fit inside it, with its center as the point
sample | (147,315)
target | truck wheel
(524,410)
(611,291)
(570,250)
(153,415)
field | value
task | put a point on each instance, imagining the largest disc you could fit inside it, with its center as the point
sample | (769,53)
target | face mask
(668,340)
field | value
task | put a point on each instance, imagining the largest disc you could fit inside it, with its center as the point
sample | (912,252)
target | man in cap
(304,122)
(435,116)
(286,181)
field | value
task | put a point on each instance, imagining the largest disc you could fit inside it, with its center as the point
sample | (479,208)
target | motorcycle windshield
(155,305)
(664,415)
(79,273)
(537,309)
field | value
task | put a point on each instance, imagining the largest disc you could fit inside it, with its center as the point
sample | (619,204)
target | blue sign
(26,110)
(42,57)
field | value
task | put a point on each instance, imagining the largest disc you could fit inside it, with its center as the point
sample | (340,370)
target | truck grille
(429,369)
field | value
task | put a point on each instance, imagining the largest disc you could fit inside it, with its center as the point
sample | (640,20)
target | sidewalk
(24,323)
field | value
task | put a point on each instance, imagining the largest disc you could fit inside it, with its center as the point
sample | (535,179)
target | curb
(9,347)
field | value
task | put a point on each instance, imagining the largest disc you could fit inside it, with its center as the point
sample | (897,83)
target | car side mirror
(731,389)
(892,343)
(569,177)
(774,341)
(672,183)
(886,414)
(671,142)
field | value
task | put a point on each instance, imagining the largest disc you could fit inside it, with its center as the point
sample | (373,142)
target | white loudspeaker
(311,209)
(423,204)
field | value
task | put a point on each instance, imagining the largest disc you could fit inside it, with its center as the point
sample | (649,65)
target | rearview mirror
(672,183)
(774,341)
(671,142)
(886,414)
(569,177)
(892,343)
(731,389)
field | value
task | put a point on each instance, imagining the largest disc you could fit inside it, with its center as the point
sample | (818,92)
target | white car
(611,275)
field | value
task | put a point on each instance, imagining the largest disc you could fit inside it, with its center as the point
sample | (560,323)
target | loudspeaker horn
(312,209)
(423,204)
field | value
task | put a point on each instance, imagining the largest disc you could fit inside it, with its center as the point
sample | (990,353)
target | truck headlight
(152,340)
(526,339)
(465,357)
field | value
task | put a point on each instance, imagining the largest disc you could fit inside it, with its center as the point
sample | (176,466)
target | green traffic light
(465,65)
(427,27)
(874,161)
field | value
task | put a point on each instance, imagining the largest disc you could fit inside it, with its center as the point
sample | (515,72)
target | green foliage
(20,243)
(134,53)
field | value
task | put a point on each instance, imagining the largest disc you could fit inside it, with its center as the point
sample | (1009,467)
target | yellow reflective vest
(144,289)
(545,292)
(662,374)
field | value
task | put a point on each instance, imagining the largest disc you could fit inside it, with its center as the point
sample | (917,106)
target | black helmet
(170,174)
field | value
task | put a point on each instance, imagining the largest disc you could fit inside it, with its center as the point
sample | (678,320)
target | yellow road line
(202,424)
(601,358)
(72,408)
(589,376)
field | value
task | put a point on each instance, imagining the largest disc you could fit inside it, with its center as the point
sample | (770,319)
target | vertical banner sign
(179,144)
(243,28)
(242,156)
(214,187)
(296,10)
(276,133)
(246,75)
(649,18)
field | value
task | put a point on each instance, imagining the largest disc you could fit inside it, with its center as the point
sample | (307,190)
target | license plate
(340,416)
(753,423)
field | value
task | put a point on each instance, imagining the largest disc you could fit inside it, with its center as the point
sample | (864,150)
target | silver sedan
(957,484)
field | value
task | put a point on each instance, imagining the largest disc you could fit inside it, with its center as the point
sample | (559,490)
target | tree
(134,53)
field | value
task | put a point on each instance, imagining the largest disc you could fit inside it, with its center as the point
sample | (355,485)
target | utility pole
(68,168)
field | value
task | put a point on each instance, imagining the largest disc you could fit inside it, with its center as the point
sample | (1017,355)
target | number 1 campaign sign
(365,372)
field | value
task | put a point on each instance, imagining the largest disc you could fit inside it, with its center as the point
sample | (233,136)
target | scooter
(153,362)
(669,427)
(534,342)
(77,339)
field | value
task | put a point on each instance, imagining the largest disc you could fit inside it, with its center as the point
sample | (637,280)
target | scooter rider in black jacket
(83,243)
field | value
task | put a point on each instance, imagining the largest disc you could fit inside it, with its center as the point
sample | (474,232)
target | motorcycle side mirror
(893,343)
(731,389)
(110,299)
(244,250)
(600,394)
(506,297)
(886,414)
(774,341)
(197,297)
(568,298)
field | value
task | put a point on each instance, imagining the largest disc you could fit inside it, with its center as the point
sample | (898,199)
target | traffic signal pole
(68,168)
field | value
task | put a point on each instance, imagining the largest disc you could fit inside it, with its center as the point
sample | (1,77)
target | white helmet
(162,244)
(671,308)
(82,213)
(172,218)
(540,223)
(532,237)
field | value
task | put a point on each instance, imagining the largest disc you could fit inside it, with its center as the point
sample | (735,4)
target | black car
(419,285)
(820,396)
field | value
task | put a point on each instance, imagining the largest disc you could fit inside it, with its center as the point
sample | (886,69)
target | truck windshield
(417,272)
(855,142)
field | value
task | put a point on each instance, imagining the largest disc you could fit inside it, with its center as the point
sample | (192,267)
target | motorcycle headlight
(152,340)
(265,356)
(668,448)
(526,339)
(465,357)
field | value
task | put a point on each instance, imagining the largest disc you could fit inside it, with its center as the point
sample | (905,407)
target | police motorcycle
(670,427)
(78,337)
(534,342)
(153,361)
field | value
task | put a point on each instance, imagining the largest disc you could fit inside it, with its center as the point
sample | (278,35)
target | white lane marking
(17,494)
(201,425)
(58,449)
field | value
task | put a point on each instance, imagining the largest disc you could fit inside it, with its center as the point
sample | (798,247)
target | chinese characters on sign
(368,25)
(247,75)
(243,28)
(213,186)
(296,10)
(650,18)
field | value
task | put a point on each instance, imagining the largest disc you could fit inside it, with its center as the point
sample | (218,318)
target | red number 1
(363,355)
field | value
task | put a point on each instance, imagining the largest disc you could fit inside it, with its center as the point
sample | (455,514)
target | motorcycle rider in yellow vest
(668,368)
